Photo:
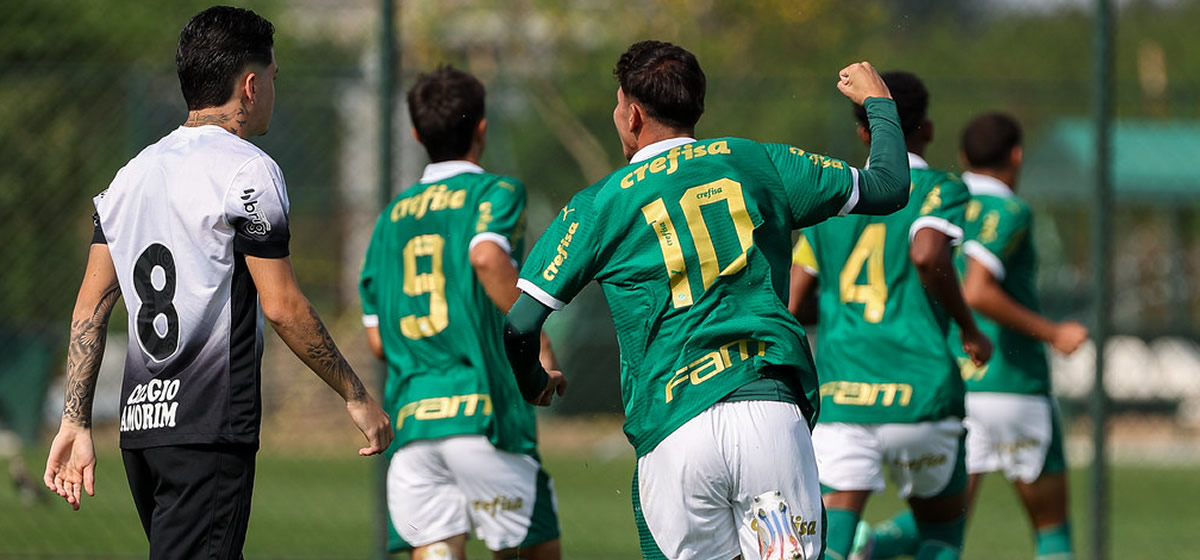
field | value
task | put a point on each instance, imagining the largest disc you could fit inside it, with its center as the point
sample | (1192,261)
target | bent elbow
(281,311)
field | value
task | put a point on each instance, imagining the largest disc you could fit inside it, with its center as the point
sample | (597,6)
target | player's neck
(232,116)
(1006,176)
(916,147)
(658,132)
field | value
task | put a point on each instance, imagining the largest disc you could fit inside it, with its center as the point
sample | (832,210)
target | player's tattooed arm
(323,356)
(300,327)
(88,336)
(98,294)
(298,324)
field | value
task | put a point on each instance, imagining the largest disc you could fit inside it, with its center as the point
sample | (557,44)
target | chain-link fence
(85,85)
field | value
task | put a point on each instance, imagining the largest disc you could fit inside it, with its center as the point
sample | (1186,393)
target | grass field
(321,508)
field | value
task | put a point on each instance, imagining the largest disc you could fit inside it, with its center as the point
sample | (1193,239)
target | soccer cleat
(772,520)
(864,542)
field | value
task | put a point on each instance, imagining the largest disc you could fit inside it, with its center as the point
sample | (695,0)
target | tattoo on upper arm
(331,365)
(83,358)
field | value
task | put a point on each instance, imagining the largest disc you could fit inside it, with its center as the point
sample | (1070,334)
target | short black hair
(215,47)
(446,106)
(911,97)
(665,79)
(988,140)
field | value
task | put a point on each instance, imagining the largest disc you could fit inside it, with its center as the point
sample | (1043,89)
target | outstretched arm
(298,324)
(984,294)
(930,253)
(71,464)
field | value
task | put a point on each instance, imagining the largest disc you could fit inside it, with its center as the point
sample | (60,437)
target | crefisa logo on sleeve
(259,225)
(151,405)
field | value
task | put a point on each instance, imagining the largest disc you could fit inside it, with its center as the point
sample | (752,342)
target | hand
(1068,337)
(373,422)
(556,383)
(977,346)
(860,81)
(71,465)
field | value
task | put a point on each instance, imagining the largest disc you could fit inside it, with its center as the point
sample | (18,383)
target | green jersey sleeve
(1001,230)
(817,186)
(367,289)
(944,209)
(565,258)
(500,215)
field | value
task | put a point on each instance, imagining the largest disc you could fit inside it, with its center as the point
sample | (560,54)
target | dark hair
(911,97)
(988,140)
(446,107)
(665,79)
(215,47)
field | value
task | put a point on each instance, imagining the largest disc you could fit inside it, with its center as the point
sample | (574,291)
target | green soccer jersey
(882,349)
(443,338)
(690,244)
(998,236)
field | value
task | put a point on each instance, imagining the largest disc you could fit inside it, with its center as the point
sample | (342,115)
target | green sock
(1054,543)
(896,537)
(941,541)
(839,532)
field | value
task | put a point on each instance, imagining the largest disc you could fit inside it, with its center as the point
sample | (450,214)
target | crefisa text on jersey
(151,405)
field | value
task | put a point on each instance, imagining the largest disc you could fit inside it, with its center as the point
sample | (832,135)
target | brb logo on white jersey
(259,225)
(151,405)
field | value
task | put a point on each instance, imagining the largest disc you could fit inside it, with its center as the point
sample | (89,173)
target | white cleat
(772,520)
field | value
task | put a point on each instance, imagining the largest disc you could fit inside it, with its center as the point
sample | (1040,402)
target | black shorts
(194,500)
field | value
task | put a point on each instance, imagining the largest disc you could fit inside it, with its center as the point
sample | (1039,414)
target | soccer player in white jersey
(193,233)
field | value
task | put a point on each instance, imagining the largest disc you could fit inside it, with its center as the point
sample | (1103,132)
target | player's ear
(481,130)
(962,160)
(246,87)
(637,118)
(1017,156)
(415,135)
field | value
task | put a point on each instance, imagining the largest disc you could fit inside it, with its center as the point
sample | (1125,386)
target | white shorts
(437,489)
(920,457)
(696,489)
(1009,433)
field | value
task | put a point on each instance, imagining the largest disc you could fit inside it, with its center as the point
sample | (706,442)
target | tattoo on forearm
(83,358)
(329,362)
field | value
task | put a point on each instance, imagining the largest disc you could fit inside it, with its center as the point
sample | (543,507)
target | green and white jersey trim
(983,185)
(954,232)
(539,294)
(650,150)
(988,259)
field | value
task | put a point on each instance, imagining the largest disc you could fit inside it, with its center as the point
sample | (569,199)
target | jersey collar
(659,147)
(986,185)
(914,162)
(443,170)
(917,162)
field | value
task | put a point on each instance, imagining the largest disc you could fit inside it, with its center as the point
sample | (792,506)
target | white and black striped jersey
(179,220)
